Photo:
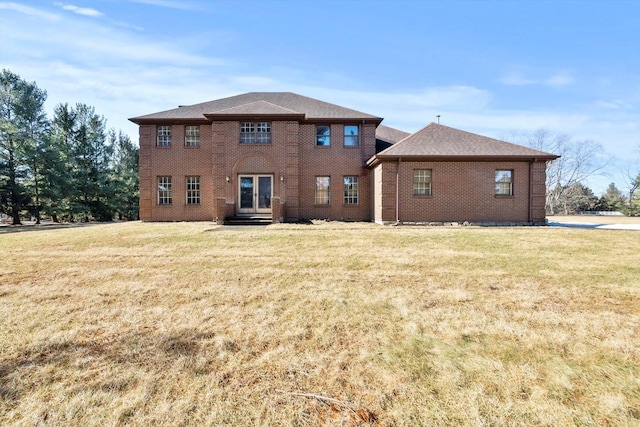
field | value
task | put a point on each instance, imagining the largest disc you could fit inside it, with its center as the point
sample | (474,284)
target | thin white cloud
(122,24)
(561,79)
(75,40)
(423,103)
(556,80)
(516,80)
(253,81)
(84,11)
(27,10)
(614,104)
(172,4)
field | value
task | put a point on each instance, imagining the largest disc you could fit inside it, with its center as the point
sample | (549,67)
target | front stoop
(249,220)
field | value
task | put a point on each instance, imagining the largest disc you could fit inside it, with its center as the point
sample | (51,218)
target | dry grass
(326,324)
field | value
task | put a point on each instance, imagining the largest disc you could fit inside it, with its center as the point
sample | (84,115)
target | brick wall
(461,191)
(278,159)
(335,161)
(178,162)
(145,173)
(538,192)
(292,159)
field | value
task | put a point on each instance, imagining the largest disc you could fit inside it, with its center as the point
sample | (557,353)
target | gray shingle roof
(389,134)
(438,141)
(269,103)
(258,107)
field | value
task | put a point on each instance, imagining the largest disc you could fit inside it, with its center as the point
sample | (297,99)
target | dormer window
(255,133)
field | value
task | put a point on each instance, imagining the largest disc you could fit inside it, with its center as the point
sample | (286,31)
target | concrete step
(249,220)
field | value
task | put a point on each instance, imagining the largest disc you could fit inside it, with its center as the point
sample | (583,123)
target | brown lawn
(325,324)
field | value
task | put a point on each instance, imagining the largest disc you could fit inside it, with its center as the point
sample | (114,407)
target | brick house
(286,157)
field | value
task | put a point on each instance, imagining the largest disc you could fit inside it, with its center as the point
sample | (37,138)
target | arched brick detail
(255,163)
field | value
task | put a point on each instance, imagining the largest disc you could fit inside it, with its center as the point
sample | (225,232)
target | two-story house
(287,157)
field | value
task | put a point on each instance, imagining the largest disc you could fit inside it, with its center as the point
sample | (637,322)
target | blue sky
(490,67)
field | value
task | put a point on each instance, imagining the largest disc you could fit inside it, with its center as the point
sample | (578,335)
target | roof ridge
(260,101)
(502,141)
(440,140)
(407,137)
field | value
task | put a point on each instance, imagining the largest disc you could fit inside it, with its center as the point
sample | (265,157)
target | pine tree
(125,176)
(23,128)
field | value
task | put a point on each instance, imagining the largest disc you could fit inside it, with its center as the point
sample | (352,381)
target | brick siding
(461,191)
(292,159)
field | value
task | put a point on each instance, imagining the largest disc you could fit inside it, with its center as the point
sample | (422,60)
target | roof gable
(438,141)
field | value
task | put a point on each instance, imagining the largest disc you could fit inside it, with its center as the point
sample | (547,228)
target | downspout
(531,191)
(398,192)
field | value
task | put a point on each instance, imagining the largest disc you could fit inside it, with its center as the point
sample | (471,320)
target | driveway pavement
(603,226)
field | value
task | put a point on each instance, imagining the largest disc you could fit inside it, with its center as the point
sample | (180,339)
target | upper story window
(422,182)
(255,133)
(504,182)
(323,136)
(351,136)
(192,136)
(164,136)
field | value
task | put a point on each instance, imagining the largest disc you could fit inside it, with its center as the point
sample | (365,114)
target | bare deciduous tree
(631,177)
(578,161)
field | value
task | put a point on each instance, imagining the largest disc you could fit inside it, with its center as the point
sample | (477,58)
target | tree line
(579,161)
(71,168)
(67,168)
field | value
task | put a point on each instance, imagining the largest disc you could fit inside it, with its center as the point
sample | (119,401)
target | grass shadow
(144,350)
(7,229)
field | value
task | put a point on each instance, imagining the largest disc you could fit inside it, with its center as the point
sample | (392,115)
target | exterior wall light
(281,178)
(227,178)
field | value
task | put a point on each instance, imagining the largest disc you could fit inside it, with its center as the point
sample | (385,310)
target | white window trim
(328,192)
(351,137)
(499,184)
(163,136)
(192,136)
(351,197)
(165,194)
(192,190)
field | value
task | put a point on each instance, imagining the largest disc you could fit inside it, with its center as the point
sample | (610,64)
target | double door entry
(254,193)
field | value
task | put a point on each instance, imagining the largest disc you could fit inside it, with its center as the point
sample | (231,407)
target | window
(504,182)
(350,190)
(351,136)
(164,136)
(192,136)
(164,190)
(323,136)
(422,182)
(255,133)
(193,190)
(323,190)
